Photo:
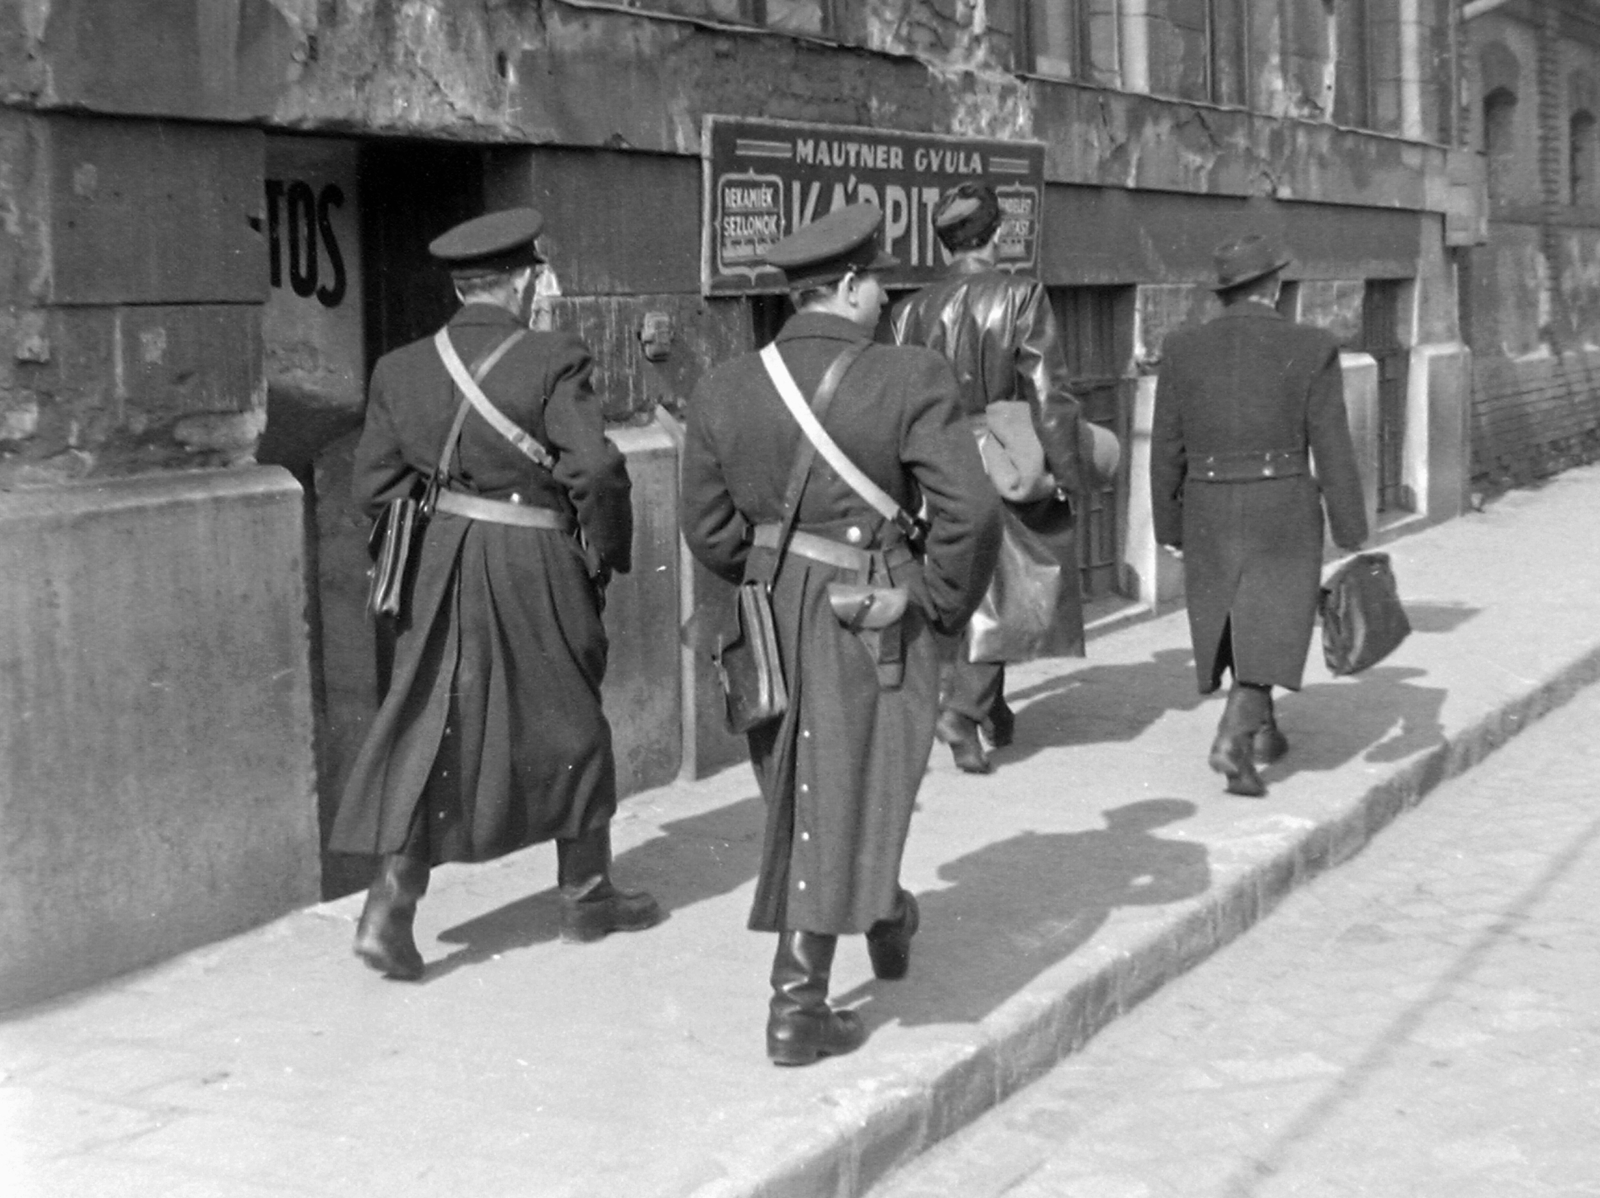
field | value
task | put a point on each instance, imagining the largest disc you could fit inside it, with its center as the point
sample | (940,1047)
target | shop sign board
(765,179)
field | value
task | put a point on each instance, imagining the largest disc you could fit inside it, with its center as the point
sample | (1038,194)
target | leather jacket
(999,333)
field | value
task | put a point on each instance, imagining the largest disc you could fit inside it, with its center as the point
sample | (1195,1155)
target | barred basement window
(1581,158)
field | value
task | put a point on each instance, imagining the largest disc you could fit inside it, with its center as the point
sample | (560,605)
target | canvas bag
(1012,454)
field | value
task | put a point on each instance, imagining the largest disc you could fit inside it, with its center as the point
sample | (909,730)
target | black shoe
(605,909)
(961,734)
(1001,726)
(384,937)
(1230,756)
(1268,744)
(889,940)
(801,1026)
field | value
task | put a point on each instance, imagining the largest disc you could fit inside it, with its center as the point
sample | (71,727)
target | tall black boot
(591,907)
(1244,715)
(1269,743)
(383,934)
(801,1026)
(889,940)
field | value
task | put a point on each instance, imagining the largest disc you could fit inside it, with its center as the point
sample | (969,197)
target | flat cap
(828,249)
(493,242)
(966,215)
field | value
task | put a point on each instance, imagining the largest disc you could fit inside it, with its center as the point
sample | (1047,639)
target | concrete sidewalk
(1101,859)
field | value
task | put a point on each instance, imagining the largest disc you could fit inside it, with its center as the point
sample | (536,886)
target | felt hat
(1246,259)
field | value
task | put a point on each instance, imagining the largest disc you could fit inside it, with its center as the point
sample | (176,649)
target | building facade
(215,220)
(1531,294)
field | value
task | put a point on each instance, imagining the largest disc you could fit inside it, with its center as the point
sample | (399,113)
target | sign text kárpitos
(765,179)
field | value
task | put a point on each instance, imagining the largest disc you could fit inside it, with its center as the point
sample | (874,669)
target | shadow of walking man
(1014,908)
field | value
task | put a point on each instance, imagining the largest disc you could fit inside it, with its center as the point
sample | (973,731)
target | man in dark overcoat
(491,736)
(998,331)
(840,770)
(1247,405)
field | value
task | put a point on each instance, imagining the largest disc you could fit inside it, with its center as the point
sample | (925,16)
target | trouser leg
(971,691)
(801,1027)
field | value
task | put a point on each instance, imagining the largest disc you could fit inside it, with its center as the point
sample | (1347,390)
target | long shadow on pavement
(1100,704)
(1015,908)
(699,857)
(1381,715)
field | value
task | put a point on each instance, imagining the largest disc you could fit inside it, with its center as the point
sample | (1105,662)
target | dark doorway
(1097,335)
(1382,338)
(411,192)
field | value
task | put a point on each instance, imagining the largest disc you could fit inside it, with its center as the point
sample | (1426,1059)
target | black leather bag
(1362,618)
(748,664)
(392,549)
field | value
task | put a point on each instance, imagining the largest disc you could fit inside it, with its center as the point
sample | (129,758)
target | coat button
(800,885)
(804,789)
(853,535)
(805,836)
(516,497)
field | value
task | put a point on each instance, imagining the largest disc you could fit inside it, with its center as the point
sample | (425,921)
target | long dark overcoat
(840,771)
(493,711)
(1250,381)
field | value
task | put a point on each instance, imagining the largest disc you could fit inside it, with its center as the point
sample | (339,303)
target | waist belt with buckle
(498,511)
(829,552)
(1246,466)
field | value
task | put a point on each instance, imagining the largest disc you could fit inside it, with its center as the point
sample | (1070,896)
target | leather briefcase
(1362,618)
(748,663)
(392,545)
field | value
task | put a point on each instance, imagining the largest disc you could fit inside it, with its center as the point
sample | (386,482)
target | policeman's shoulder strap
(475,396)
(879,499)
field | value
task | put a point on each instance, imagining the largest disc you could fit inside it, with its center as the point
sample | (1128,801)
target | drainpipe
(1135,39)
(1410,71)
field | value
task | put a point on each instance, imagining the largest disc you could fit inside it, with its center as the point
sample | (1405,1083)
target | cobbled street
(1421,1022)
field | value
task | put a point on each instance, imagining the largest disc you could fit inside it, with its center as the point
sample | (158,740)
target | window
(1352,77)
(1581,158)
(784,16)
(1499,112)
(1200,49)
(1056,38)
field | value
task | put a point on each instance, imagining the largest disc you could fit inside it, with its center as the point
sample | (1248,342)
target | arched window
(1499,111)
(1581,157)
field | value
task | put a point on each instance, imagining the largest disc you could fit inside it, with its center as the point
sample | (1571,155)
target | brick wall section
(1533,417)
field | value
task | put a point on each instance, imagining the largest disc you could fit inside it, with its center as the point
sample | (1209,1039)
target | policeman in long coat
(1246,406)
(840,770)
(491,736)
(998,331)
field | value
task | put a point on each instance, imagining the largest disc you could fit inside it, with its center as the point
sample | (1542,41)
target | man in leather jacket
(999,333)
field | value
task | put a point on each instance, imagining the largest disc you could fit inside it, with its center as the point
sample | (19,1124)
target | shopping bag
(1013,622)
